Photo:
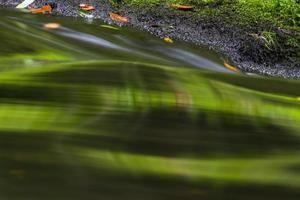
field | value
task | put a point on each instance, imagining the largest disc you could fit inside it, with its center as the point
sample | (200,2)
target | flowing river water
(89,111)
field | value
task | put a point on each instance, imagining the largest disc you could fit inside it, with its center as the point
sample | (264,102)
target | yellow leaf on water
(110,27)
(168,40)
(230,67)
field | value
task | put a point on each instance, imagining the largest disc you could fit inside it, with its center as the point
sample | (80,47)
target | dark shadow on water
(35,94)
(274,86)
(170,132)
(173,132)
(111,74)
(294,168)
(58,178)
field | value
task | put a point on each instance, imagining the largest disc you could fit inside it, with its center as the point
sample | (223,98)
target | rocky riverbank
(258,47)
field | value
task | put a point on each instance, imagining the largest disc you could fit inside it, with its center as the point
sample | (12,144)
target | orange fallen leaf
(51,26)
(230,67)
(86,7)
(43,9)
(182,7)
(117,17)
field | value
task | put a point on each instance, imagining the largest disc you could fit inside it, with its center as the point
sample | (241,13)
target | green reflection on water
(85,122)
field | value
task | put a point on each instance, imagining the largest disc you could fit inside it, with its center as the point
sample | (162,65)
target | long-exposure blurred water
(94,112)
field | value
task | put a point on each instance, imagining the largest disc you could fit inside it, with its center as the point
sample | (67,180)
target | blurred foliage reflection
(116,118)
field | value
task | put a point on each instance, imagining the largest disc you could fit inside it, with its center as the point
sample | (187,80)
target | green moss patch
(273,25)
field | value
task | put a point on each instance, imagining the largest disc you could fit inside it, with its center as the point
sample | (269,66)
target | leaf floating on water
(118,18)
(43,9)
(51,26)
(110,27)
(18,173)
(86,7)
(182,7)
(168,40)
(25,4)
(230,67)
